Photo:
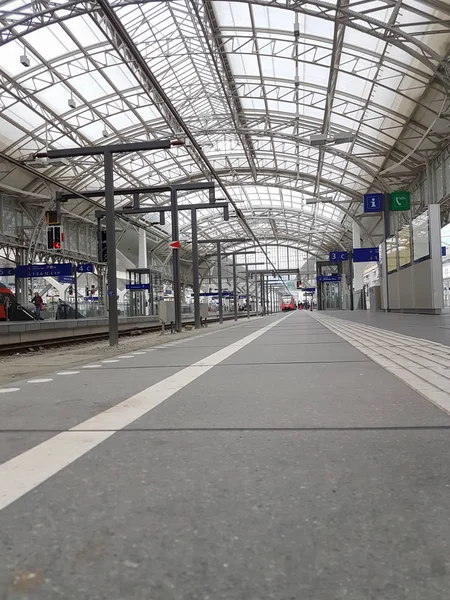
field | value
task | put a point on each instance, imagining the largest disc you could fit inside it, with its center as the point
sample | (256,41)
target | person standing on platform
(7,306)
(37,301)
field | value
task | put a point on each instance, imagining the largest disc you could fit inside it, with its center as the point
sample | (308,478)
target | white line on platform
(8,390)
(26,471)
(39,380)
(111,360)
(68,373)
(91,367)
(125,356)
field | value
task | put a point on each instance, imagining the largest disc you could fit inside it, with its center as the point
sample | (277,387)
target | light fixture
(71,102)
(43,163)
(25,60)
(341,137)
(105,132)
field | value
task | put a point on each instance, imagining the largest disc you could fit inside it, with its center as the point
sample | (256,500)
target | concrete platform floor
(273,460)
(435,328)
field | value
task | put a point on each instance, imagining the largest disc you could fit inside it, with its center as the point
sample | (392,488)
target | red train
(8,302)
(288,303)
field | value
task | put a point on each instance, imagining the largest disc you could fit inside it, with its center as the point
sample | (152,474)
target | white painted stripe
(8,390)
(126,356)
(91,366)
(110,361)
(23,473)
(68,373)
(39,380)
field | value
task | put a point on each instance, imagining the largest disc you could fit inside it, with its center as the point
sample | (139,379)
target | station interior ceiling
(294,109)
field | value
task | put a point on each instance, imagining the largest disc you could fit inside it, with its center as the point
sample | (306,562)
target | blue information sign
(56,270)
(85,268)
(309,290)
(338,256)
(66,279)
(373,203)
(7,272)
(444,253)
(324,278)
(366,255)
(138,286)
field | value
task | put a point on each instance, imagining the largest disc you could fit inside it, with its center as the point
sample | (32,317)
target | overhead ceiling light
(71,102)
(318,139)
(105,132)
(341,137)
(43,163)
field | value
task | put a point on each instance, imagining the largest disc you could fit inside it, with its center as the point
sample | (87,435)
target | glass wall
(421,237)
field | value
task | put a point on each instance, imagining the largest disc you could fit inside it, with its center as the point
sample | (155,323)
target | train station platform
(287,457)
(21,334)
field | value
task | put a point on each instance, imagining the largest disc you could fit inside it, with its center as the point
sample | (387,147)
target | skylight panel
(92,86)
(51,42)
(120,76)
(9,133)
(84,30)
(232,14)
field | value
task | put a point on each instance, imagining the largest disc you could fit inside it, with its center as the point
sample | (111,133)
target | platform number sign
(338,256)
(400,201)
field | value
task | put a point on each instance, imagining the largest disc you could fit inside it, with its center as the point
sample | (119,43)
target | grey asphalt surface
(297,469)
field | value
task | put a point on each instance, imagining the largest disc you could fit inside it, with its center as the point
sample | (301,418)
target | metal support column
(247,291)
(195,278)
(350,266)
(256,295)
(113,318)
(75,276)
(176,260)
(235,303)
(387,233)
(263,296)
(219,281)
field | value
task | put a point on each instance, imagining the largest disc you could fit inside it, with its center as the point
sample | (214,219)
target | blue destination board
(366,255)
(309,290)
(324,278)
(138,286)
(56,270)
(66,279)
(7,272)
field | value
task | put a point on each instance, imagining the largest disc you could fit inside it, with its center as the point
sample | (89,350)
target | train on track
(8,302)
(288,303)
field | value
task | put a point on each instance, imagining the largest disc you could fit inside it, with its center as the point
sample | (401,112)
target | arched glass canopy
(295,108)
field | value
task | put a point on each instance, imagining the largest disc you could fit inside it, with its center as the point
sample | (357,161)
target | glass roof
(251,82)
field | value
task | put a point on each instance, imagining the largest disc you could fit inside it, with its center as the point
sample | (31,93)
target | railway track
(24,347)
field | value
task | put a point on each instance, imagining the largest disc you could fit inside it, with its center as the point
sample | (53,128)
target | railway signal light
(55,238)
